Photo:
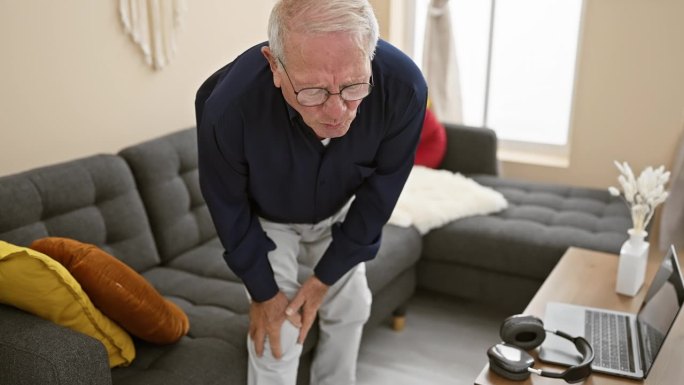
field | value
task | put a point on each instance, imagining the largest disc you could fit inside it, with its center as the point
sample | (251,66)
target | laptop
(625,344)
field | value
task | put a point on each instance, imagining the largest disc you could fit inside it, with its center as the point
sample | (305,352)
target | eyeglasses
(315,96)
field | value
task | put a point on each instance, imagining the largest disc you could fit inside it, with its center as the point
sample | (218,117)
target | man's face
(331,61)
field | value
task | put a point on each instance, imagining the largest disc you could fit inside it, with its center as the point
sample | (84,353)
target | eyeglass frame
(328,93)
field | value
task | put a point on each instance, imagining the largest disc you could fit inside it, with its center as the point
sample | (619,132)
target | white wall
(73,84)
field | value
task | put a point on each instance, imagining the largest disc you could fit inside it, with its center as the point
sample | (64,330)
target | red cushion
(432,145)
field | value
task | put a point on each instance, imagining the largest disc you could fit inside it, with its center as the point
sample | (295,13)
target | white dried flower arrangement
(642,195)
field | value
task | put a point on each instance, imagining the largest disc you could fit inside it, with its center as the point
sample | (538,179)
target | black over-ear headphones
(521,332)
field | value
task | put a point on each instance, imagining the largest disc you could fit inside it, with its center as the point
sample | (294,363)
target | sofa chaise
(503,258)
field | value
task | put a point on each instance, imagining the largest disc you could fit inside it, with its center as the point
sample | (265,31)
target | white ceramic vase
(632,263)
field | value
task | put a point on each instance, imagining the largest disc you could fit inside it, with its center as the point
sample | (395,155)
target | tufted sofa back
(165,170)
(92,199)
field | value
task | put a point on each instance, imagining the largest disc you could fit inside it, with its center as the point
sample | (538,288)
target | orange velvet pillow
(118,291)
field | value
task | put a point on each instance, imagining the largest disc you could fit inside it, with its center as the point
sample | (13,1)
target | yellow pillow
(36,283)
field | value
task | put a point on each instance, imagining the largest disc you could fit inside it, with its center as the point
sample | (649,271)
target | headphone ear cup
(506,374)
(510,362)
(526,332)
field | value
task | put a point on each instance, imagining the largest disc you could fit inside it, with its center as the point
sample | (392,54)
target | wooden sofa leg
(399,319)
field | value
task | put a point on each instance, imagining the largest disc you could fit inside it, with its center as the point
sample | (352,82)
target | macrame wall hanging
(153,25)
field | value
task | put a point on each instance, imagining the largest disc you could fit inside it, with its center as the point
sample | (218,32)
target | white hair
(323,16)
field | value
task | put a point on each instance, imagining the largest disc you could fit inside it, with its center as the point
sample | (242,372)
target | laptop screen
(660,308)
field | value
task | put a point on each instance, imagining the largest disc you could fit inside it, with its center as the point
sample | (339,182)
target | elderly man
(305,143)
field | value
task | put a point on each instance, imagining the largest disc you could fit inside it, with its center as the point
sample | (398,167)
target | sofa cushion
(529,237)
(118,291)
(399,251)
(91,199)
(42,286)
(206,361)
(205,260)
(165,170)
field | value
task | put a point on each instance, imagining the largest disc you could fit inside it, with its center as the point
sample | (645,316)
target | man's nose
(335,106)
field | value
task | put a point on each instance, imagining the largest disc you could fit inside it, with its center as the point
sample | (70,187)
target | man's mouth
(332,125)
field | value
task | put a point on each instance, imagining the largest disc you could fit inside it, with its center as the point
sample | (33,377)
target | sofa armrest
(36,351)
(470,150)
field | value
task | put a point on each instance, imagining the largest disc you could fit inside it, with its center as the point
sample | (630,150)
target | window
(517,63)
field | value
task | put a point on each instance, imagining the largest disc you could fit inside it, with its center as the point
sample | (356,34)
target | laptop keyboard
(610,336)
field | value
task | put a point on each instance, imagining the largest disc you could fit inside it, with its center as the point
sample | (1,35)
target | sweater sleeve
(224,178)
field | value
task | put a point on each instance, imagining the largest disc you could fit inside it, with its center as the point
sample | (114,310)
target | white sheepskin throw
(432,198)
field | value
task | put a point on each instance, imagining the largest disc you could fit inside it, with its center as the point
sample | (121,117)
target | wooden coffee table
(587,277)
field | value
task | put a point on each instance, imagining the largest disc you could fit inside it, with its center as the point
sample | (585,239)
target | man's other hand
(307,301)
(266,319)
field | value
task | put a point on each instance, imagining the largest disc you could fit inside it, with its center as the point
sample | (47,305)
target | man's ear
(273,64)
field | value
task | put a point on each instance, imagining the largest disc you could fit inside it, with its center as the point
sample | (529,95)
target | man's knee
(289,347)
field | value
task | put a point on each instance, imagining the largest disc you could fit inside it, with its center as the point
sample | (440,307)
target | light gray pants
(341,317)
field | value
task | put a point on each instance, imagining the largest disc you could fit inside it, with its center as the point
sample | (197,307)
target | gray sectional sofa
(144,206)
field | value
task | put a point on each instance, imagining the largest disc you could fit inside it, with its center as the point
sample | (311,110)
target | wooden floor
(444,342)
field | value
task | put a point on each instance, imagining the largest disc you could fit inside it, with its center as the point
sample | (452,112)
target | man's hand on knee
(266,319)
(307,301)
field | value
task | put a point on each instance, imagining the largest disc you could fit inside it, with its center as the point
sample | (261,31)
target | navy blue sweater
(257,157)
